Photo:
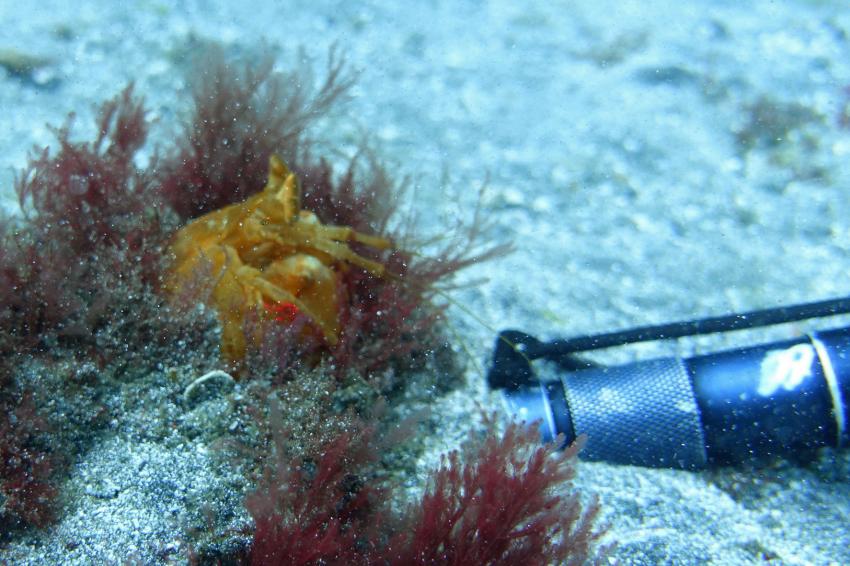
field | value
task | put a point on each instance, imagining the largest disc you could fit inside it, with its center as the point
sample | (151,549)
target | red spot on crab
(283,312)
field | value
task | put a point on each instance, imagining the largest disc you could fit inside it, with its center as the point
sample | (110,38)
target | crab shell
(267,251)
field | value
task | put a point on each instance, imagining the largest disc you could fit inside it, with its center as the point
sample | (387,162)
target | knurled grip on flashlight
(644,414)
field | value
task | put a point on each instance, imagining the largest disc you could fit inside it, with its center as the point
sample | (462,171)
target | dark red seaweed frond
(26,467)
(240,116)
(501,502)
(90,193)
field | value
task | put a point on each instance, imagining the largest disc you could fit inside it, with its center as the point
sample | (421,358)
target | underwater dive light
(780,399)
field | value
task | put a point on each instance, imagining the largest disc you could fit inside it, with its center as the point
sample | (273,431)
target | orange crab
(268,255)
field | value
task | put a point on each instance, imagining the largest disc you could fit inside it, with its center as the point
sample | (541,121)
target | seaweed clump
(498,500)
(81,269)
(88,225)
